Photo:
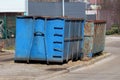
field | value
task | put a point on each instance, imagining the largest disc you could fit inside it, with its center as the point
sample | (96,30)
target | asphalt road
(108,69)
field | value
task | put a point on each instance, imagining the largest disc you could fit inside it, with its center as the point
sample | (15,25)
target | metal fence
(8,26)
(7,29)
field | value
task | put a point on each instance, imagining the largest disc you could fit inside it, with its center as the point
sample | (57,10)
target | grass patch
(114,30)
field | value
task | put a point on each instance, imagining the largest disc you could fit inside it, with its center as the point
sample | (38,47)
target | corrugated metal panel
(55,9)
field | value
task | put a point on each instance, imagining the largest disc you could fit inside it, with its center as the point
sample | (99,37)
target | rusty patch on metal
(89,29)
(99,38)
(88,45)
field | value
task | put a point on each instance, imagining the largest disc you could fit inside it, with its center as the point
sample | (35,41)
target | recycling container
(51,39)
(64,39)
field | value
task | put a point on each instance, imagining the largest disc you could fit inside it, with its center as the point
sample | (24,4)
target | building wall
(55,9)
(96,1)
(56,0)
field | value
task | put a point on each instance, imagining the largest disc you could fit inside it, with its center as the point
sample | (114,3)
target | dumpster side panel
(67,43)
(55,40)
(88,40)
(88,45)
(24,36)
(38,47)
(77,36)
(99,37)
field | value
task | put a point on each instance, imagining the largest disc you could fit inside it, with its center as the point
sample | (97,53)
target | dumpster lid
(51,18)
(58,17)
(97,21)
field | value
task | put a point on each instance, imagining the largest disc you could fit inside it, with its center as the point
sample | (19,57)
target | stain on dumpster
(99,36)
(89,29)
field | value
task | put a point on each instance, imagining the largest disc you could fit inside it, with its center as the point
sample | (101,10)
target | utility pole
(26,8)
(96,10)
(63,8)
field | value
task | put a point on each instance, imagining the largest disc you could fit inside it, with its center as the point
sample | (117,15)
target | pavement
(40,71)
(106,69)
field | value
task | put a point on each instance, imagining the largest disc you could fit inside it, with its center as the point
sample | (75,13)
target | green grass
(114,30)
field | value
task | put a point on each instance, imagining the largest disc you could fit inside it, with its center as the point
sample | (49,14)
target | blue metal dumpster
(64,39)
(53,39)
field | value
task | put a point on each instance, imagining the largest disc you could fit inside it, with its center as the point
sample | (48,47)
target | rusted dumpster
(88,40)
(99,36)
(94,38)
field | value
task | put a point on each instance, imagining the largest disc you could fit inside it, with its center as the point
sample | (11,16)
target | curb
(52,75)
(86,63)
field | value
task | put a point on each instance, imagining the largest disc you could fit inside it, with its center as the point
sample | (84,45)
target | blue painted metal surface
(24,38)
(53,39)
(38,45)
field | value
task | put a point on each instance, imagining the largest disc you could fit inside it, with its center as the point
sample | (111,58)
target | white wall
(13,5)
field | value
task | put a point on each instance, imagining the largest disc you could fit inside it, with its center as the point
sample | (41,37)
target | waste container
(99,36)
(55,39)
(64,38)
(94,38)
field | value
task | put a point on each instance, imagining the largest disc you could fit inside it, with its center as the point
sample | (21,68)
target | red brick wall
(98,1)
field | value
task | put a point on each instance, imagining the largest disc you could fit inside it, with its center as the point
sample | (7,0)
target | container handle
(55,49)
(39,34)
